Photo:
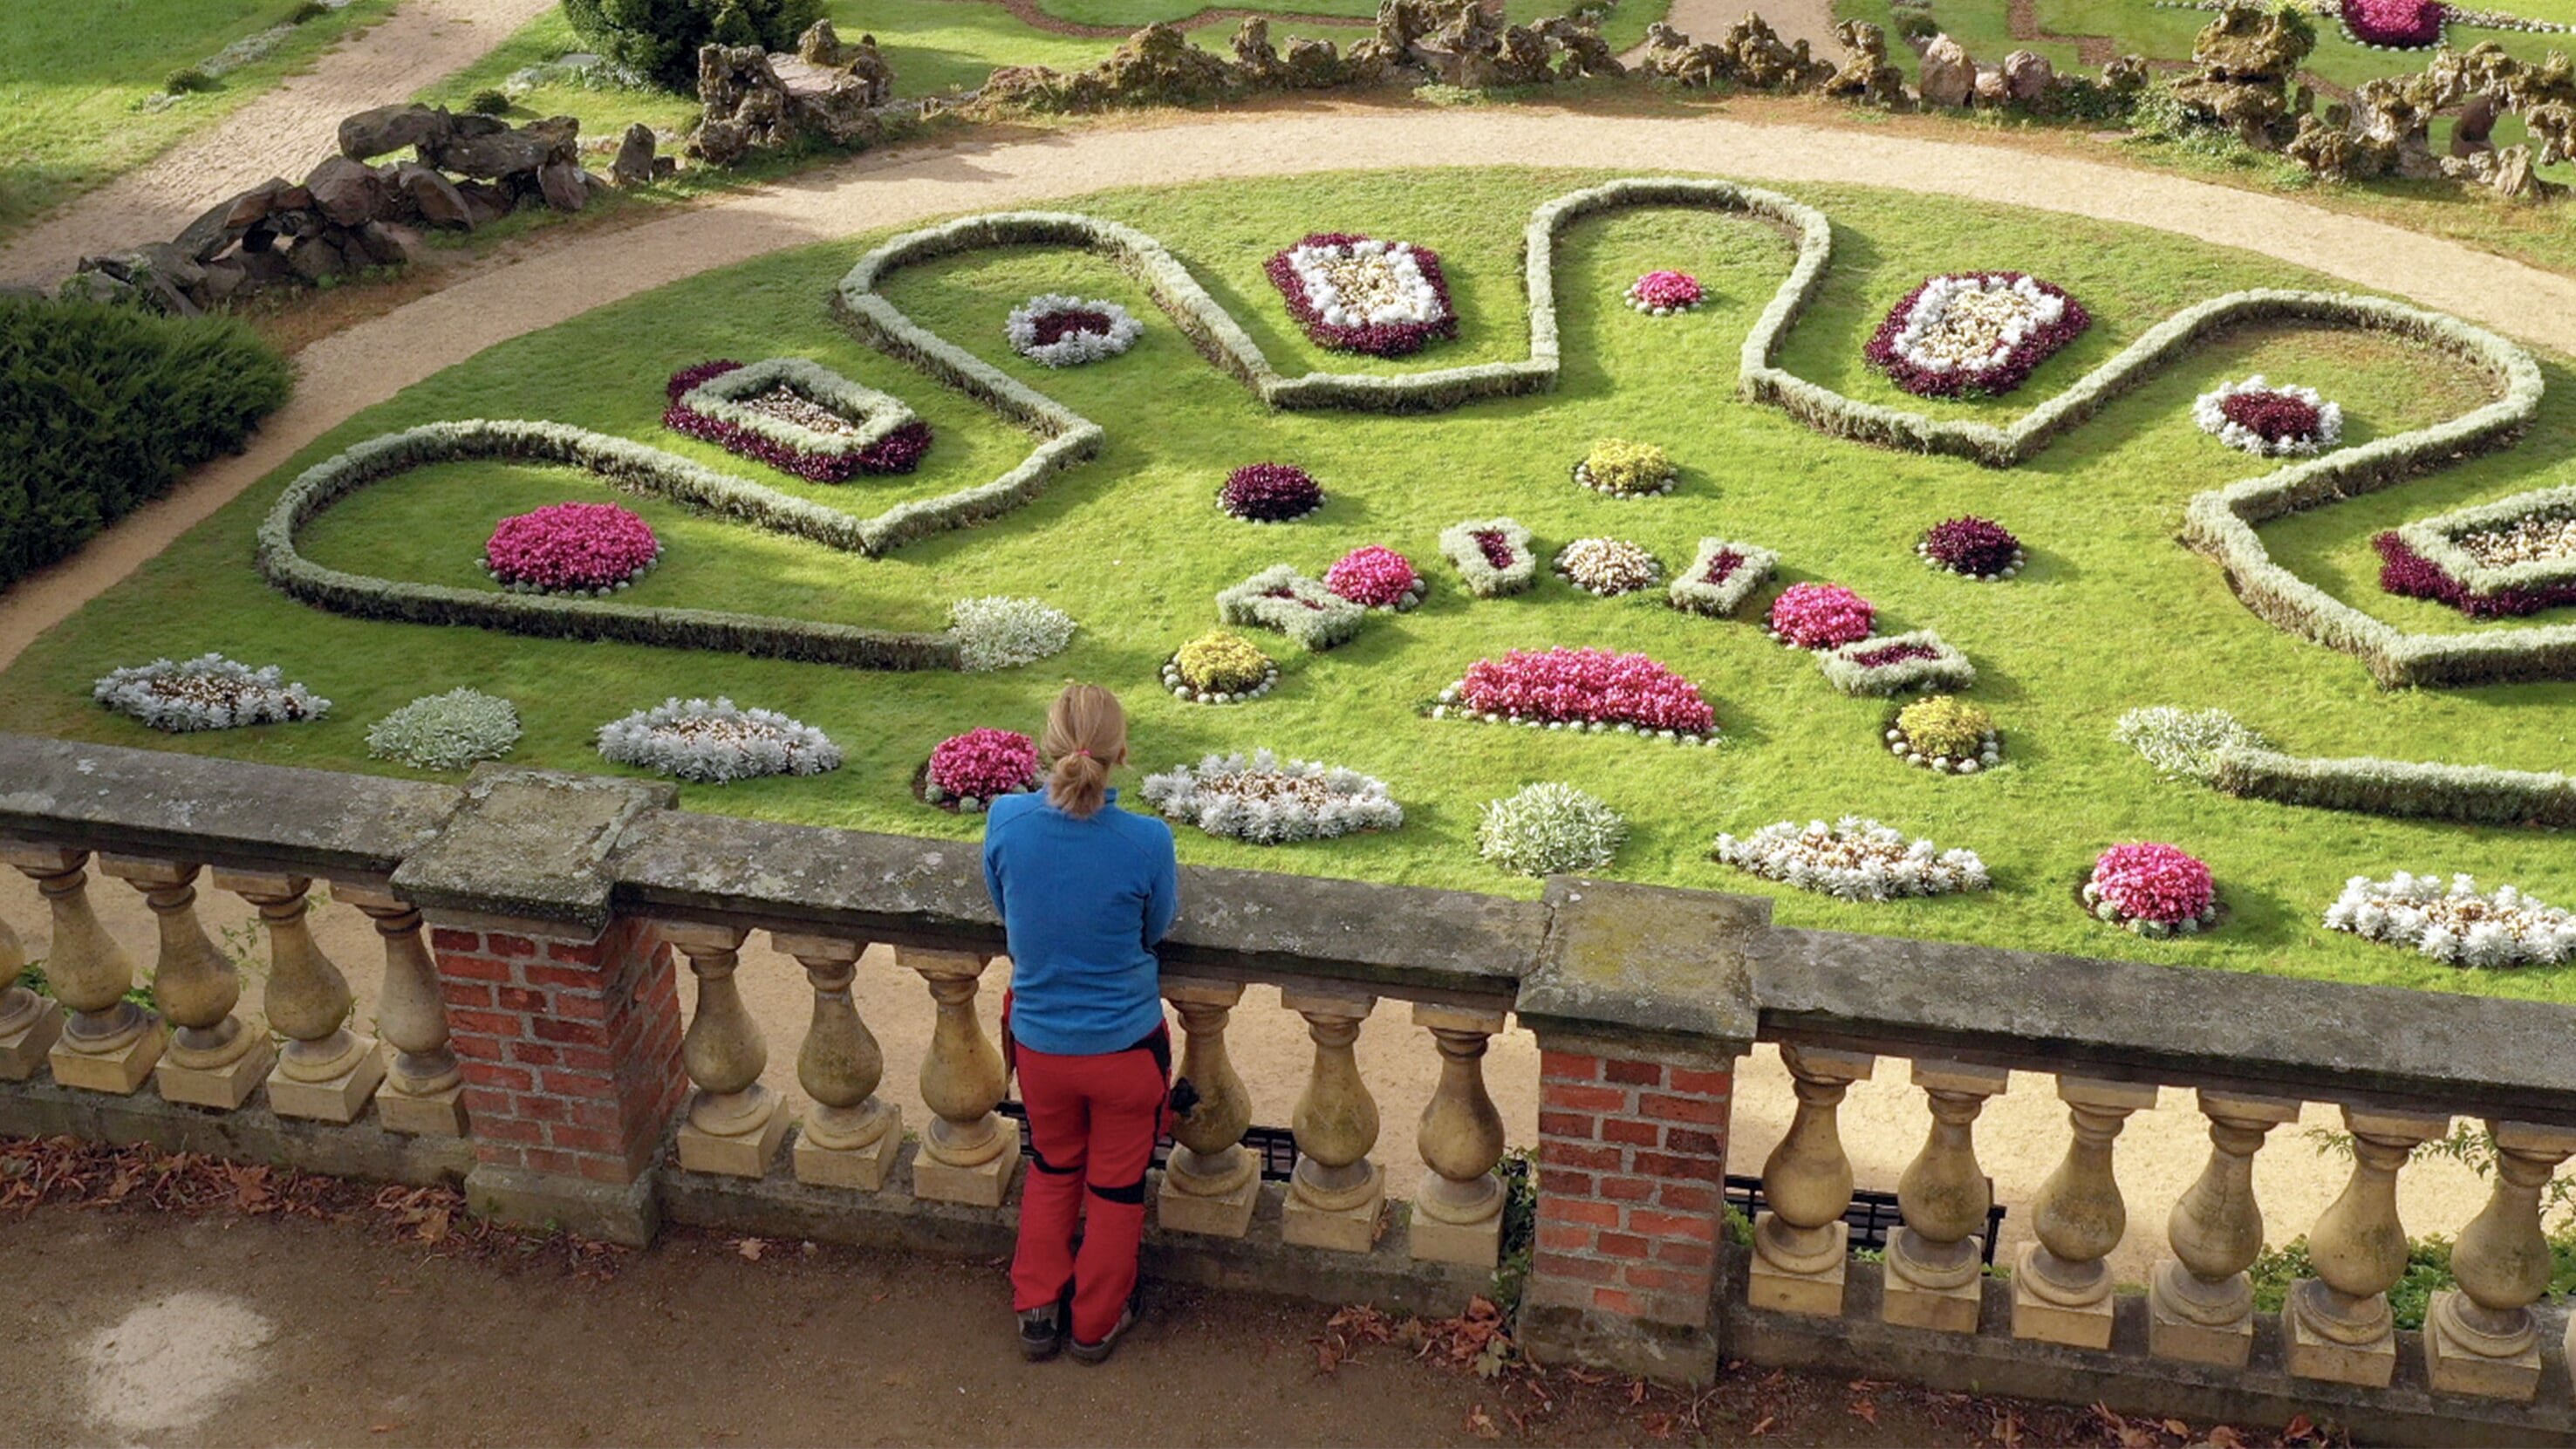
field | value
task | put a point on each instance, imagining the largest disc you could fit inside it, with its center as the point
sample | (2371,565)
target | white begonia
(209,692)
(716,742)
(2455,922)
(1366,283)
(2185,742)
(1000,632)
(2209,410)
(1854,858)
(1267,801)
(1549,828)
(446,731)
(1076,346)
(1607,566)
(1973,323)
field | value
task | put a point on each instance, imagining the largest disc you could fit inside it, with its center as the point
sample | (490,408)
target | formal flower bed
(2394,24)
(999,632)
(1269,801)
(715,742)
(1494,556)
(2152,889)
(798,417)
(1977,548)
(2273,422)
(208,692)
(446,731)
(1549,828)
(1356,294)
(570,548)
(1054,330)
(969,772)
(1376,577)
(1895,664)
(1219,668)
(2454,921)
(1820,616)
(1270,493)
(1623,469)
(1854,858)
(1607,567)
(1581,689)
(1722,576)
(1945,734)
(1973,334)
(2504,559)
(1281,598)
(1664,293)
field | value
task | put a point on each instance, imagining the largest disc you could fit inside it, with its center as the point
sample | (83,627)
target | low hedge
(2473,793)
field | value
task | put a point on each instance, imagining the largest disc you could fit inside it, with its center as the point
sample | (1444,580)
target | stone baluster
(424,1088)
(2480,1338)
(2061,1287)
(969,1153)
(2336,1325)
(1336,1193)
(110,1044)
(1935,1262)
(851,1138)
(1458,1214)
(1211,1182)
(327,1073)
(212,1060)
(734,1124)
(2200,1305)
(29,1024)
(1802,1242)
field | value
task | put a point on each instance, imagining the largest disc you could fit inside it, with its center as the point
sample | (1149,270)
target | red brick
(1681,1109)
(1565,1237)
(578,1084)
(1684,1199)
(1672,1225)
(585,1033)
(1693,1169)
(539,1108)
(1627,1189)
(476,1046)
(602,1115)
(535,1053)
(467,994)
(1578,1210)
(497,944)
(606,1169)
(581,1139)
(486,1103)
(1561,1153)
(474,968)
(508,1129)
(592,1059)
(520,998)
(1569,1124)
(1630,1131)
(576,1007)
(1582,1099)
(1694,1141)
(1635,1074)
(501,1078)
(1658,1280)
(1685,1255)
(540,1159)
(580,953)
(1568,1066)
(1706,1084)
(447,938)
(1613,1300)
(1580,1270)
(1557,1182)
(484,1023)
(572,976)
(1621,1245)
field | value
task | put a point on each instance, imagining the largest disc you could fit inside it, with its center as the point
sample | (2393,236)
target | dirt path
(282,133)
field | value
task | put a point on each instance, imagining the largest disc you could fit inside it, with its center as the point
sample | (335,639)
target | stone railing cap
(1662,964)
(531,845)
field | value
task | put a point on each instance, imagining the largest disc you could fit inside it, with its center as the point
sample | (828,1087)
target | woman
(1085,891)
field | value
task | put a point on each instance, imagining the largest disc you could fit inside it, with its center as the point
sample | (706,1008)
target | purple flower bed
(897,452)
(2015,369)
(1378,339)
(2271,416)
(1270,493)
(2404,24)
(2404,572)
(1977,547)
(1894,654)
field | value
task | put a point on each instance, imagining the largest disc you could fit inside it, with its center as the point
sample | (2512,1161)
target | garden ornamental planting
(2152,889)
(1059,331)
(1663,293)
(2269,421)
(1607,567)
(1357,294)
(1978,548)
(208,692)
(1269,801)
(1591,689)
(1270,493)
(1820,616)
(798,417)
(1973,334)
(969,771)
(581,548)
(1375,577)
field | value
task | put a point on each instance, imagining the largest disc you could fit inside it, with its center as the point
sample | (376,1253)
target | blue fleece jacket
(1084,901)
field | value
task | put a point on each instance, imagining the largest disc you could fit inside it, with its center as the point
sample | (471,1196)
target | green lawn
(73,79)
(2111,614)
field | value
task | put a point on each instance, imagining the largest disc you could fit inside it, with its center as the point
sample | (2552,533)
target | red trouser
(1092,1123)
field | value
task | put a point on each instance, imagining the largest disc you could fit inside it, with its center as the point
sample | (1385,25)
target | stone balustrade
(529,1038)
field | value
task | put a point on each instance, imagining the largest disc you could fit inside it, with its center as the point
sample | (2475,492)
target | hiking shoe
(1041,1332)
(1098,1353)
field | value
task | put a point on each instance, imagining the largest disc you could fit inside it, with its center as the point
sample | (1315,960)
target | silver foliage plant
(2185,743)
(1854,858)
(714,742)
(1269,801)
(209,692)
(1000,632)
(1547,828)
(446,731)
(2454,921)
(1281,598)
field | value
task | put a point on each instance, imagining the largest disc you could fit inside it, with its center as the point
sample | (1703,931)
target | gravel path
(282,133)
(1809,20)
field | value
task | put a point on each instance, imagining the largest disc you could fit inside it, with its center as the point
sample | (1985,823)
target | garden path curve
(371,361)
(282,132)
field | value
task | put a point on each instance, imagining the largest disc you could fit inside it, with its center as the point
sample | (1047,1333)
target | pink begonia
(1666,289)
(571,546)
(1820,616)
(983,763)
(2151,882)
(1371,574)
(1585,686)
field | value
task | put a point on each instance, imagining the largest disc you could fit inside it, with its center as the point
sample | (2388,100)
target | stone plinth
(24,1045)
(223,1088)
(1344,1229)
(339,1098)
(862,1169)
(1819,1293)
(422,1114)
(980,1184)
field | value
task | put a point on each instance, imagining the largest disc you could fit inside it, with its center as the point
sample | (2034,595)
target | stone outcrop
(2247,64)
(1865,76)
(826,93)
(1949,77)
(2027,76)
(2387,129)
(1750,55)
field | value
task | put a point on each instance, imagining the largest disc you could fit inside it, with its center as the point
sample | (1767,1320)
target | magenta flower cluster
(1666,289)
(570,546)
(1373,575)
(1270,493)
(2011,373)
(1377,339)
(897,452)
(2406,24)
(2404,572)
(2151,882)
(1586,686)
(1979,547)
(983,763)
(1821,616)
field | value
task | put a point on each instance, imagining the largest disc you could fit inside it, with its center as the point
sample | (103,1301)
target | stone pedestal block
(2455,1368)
(1947,1310)
(22,1049)
(422,1114)
(223,1088)
(986,1184)
(2085,1325)
(337,1099)
(746,1153)
(1350,1229)
(2170,1335)
(2311,1355)
(1218,1215)
(1769,1286)
(1432,1241)
(863,1168)
(120,1072)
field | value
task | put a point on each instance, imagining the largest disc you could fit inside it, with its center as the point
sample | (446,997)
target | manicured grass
(2111,614)
(73,79)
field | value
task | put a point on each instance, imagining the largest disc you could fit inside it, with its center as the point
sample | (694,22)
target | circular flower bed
(208,692)
(446,731)
(1945,734)
(1581,689)
(1549,828)
(1607,567)
(1978,548)
(968,772)
(1820,616)
(576,548)
(1054,330)
(1973,334)
(1219,667)
(1270,493)
(2455,921)
(1268,801)
(1663,293)
(1623,469)
(1376,577)
(1854,858)
(2275,422)
(2152,889)
(716,742)
(2394,24)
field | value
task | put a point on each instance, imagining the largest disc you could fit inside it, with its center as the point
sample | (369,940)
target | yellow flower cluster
(1222,662)
(1945,726)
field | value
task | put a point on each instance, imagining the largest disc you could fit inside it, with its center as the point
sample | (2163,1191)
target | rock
(665,166)
(2125,75)
(565,186)
(868,69)
(1673,56)
(223,278)
(1312,65)
(1158,66)
(1763,61)
(391,244)
(821,45)
(634,163)
(506,153)
(86,286)
(316,257)
(752,100)
(1989,89)
(485,203)
(2248,60)
(2473,129)
(161,275)
(2027,76)
(346,192)
(226,221)
(1587,55)
(723,143)
(432,196)
(370,134)
(1254,55)
(1949,77)
(1866,75)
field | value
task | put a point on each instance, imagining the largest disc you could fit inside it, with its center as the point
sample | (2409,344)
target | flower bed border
(1074,349)
(1372,339)
(1314,616)
(889,438)
(2487,590)
(2025,358)
(1690,590)
(1458,545)
(1946,669)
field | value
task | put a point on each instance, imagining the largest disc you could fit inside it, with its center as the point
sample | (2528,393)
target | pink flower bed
(2406,24)
(1375,576)
(1665,289)
(1586,686)
(570,546)
(2151,882)
(983,763)
(1821,616)
(897,452)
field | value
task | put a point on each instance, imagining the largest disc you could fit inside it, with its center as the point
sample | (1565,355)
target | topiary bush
(102,407)
(659,39)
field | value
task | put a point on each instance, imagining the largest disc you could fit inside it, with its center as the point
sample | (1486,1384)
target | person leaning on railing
(1086,890)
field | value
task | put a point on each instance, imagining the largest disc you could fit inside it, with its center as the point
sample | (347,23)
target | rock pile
(2386,130)
(757,100)
(2248,71)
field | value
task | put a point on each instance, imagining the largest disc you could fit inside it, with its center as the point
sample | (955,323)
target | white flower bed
(1722,576)
(1077,345)
(1549,828)
(2455,921)
(1854,858)
(1606,567)
(999,632)
(1366,283)
(2209,410)
(208,692)
(713,743)
(446,731)
(1267,801)
(1973,324)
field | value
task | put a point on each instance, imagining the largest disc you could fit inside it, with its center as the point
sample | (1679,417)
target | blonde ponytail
(1086,736)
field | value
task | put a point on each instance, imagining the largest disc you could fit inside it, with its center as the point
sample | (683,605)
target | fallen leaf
(1758,1430)
(751,1248)
(433,1225)
(2223,1437)
(1636,1391)
(1865,1410)
(2181,1430)
(380,1428)
(2300,1428)
(1482,1424)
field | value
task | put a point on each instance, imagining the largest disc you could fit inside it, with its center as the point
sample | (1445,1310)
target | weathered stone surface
(2125,75)
(1866,75)
(1948,77)
(754,101)
(1989,87)
(1586,54)
(346,192)
(634,163)
(315,257)
(508,153)
(2248,60)
(370,134)
(432,196)
(391,244)
(1652,966)
(529,845)
(1312,65)
(1254,55)
(564,184)
(2027,76)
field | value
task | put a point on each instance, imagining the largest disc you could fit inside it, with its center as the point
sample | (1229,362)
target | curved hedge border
(2473,793)
(619,463)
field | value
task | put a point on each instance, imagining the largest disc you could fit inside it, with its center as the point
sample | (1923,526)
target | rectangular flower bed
(1721,576)
(1895,664)
(1281,598)
(2512,557)
(799,417)
(1357,294)
(1494,556)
